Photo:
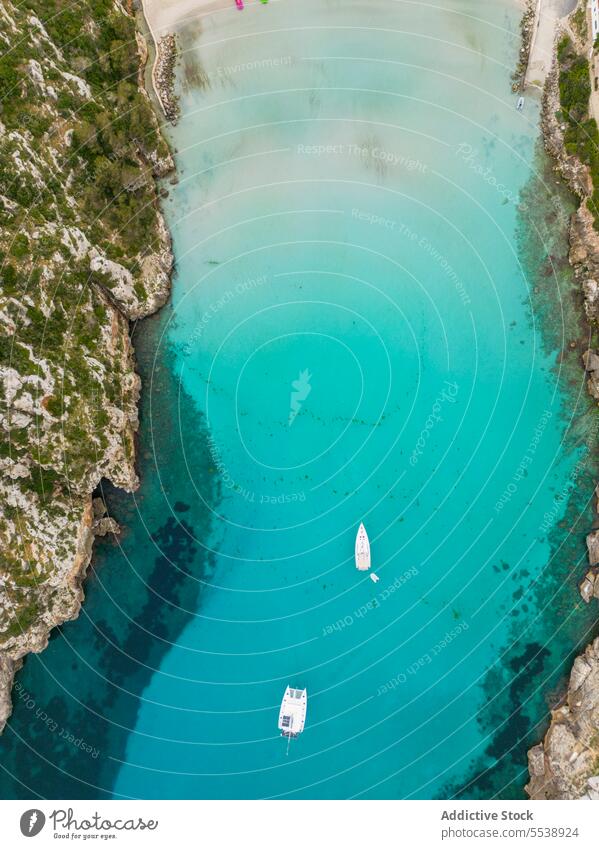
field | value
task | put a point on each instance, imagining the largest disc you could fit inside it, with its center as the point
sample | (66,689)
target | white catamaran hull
(292,716)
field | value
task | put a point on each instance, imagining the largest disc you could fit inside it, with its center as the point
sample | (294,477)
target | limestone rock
(561,766)
(590,290)
(580,671)
(536,760)
(105,526)
(8,668)
(98,507)
(593,547)
(591,360)
(593,788)
(591,364)
(587,587)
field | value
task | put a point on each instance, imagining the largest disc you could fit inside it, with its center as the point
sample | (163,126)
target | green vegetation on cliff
(82,249)
(581,136)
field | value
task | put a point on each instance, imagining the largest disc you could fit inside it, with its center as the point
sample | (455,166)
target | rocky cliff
(566,764)
(83,250)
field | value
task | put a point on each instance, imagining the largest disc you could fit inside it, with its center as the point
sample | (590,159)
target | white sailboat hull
(362,550)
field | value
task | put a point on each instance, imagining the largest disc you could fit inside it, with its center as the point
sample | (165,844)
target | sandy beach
(164,19)
(164,16)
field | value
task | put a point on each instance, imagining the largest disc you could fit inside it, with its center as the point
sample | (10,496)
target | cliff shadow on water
(549,622)
(75,704)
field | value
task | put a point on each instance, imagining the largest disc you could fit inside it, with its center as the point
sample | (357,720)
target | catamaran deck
(292,716)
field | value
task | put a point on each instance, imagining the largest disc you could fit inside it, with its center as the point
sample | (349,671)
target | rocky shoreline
(565,765)
(65,593)
(47,526)
(69,587)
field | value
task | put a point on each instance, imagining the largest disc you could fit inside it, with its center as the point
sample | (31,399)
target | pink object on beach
(239,4)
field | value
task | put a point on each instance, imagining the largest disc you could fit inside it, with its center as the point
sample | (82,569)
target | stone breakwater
(527,25)
(163,76)
(565,765)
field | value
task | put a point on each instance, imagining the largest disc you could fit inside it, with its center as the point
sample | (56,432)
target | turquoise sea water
(367,324)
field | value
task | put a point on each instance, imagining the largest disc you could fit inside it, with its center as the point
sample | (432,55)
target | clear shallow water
(351,337)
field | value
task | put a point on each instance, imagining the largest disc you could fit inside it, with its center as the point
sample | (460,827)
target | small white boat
(374,578)
(362,550)
(292,716)
(520,104)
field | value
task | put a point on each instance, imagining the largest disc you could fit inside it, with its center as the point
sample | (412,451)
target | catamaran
(292,716)
(362,550)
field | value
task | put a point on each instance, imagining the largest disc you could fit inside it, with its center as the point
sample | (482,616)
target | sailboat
(292,716)
(362,550)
